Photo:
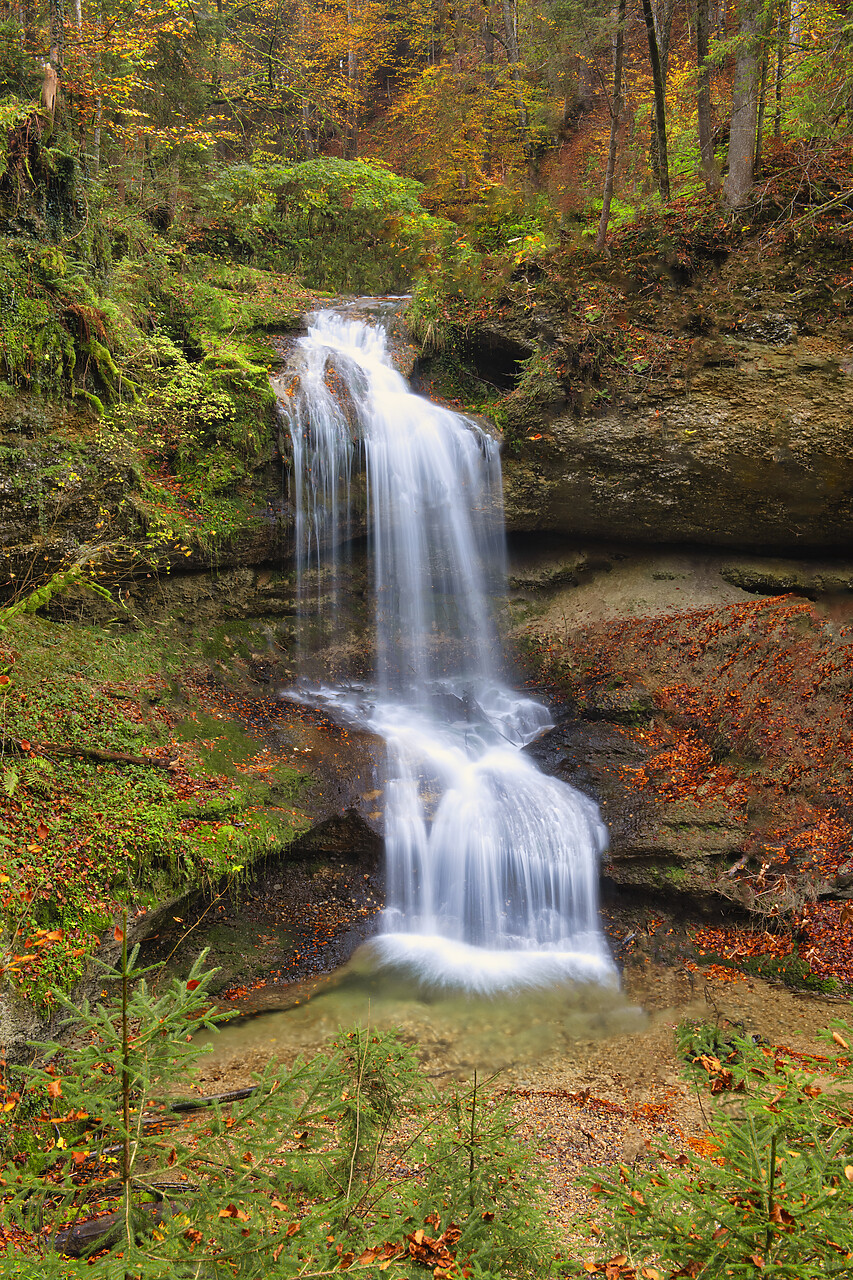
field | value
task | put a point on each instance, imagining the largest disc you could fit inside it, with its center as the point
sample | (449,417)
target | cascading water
(491,866)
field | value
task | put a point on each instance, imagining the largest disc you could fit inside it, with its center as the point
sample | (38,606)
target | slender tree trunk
(217,52)
(30,35)
(351,135)
(660,102)
(95,154)
(710,172)
(57,35)
(510,14)
(95,150)
(487,36)
(782,36)
(738,184)
(51,90)
(762,107)
(307,130)
(663,12)
(615,113)
(306,108)
(768,22)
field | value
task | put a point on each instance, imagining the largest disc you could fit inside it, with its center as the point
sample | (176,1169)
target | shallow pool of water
(455,1032)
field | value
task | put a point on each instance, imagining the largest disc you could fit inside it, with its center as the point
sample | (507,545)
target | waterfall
(491,866)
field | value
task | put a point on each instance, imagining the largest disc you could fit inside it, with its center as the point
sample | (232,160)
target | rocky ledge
(755,453)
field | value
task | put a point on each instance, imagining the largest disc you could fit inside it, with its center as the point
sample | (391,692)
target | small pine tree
(774,1199)
(349,1162)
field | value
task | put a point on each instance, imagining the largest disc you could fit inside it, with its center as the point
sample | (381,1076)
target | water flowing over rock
(492,867)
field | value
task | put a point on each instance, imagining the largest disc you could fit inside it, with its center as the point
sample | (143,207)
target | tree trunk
(510,13)
(307,131)
(738,184)
(782,37)
(762,106)
(95,160)
(216,85)
(710,172)
(615,113)
(661,154)
(57,35)
(663,13)
(351,133)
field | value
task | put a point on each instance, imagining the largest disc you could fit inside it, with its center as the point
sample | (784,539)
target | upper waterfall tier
(434,505)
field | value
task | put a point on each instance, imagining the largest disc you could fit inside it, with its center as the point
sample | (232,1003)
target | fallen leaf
(231,1211)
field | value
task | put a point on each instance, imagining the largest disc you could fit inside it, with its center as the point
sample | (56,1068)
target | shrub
(349,1162)
(773,1196)
(344,225)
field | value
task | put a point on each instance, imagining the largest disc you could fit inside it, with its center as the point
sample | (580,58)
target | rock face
(678,851)
(755,453)
(58,498)
(709,720)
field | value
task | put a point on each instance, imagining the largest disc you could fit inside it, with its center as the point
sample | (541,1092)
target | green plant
(774,1193)
(349,1162)
(344,225)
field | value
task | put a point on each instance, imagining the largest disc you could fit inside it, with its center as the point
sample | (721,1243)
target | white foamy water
(492,867)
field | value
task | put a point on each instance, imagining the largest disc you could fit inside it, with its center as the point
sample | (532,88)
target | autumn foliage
(752,707)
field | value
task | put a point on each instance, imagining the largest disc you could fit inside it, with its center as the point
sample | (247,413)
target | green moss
(106,368)
(80,836)
(223,745)
(94,402)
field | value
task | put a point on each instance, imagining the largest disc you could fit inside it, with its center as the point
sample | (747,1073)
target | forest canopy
(587,104)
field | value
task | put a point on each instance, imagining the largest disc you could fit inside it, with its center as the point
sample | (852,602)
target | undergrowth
(770,1196)
(82,833)
(350,1162)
